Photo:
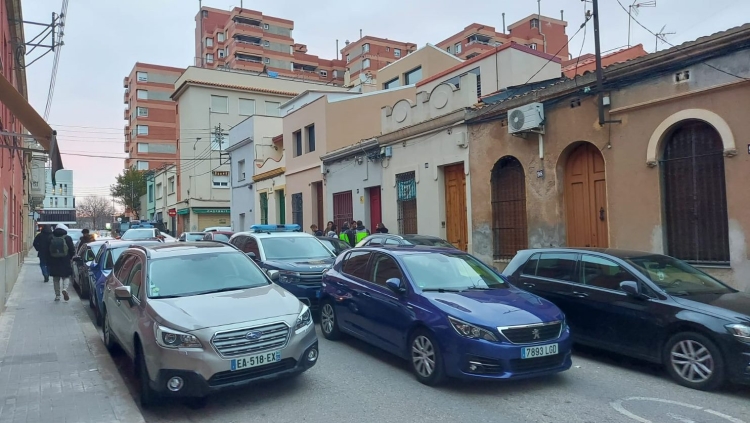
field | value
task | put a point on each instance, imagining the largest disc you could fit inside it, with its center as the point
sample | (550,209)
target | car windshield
(431,242)
(677,277)
(451,272)
(202,273)
(75,235)
(221,237)
(194,237)
(294,247)
(132,234)
(334,245)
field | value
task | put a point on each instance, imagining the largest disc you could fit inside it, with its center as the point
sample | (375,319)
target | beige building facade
(423,63)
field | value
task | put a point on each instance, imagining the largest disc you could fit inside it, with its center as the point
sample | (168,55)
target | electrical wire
(583,43)
(558,52)
(56,60)
(681,50)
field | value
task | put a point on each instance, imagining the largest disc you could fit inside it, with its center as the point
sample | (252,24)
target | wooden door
(282,206)
(376,214)
(343,208)
(319,205)
(586,198)
(456,223)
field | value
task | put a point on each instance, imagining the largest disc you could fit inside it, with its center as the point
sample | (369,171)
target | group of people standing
(351,232)
(56,251)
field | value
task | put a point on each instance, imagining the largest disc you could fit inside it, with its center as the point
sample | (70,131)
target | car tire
(109,340)
(148,396)
(694,361)
(83,290)
(92,304)
(196,403)
(425,358)
(329,324)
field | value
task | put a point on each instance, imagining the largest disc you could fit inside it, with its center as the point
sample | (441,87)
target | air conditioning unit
(461,140)
(526,118)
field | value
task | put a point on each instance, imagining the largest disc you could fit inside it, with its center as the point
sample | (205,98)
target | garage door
(208,220)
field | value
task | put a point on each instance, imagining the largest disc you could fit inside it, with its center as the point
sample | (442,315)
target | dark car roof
(412,249)
(217,232)
(621,254)
(120,244)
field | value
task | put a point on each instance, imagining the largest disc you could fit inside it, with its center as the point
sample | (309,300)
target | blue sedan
(445,312)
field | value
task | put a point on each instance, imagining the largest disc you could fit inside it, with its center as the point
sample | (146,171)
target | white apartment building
(59,203)
(209,104)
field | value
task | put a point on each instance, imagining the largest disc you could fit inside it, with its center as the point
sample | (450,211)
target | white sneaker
(65,295)
(57,298)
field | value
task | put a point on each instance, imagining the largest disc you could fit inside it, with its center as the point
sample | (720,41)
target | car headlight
(740,331)
(303,320)
(288,277)
(170,338)
(470,331)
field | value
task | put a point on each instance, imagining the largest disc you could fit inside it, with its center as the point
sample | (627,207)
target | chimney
(360,33)
(562,15)
(337,49)
(503,22)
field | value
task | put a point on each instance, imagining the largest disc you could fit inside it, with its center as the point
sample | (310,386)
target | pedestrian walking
(86,237)
(315,230)
(381,229)
(61,251)
(41,245)
(362,232)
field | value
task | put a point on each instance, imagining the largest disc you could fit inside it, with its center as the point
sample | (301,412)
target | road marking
(617,405)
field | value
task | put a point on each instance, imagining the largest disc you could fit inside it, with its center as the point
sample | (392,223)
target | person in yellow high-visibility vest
(344,236)
(362,232)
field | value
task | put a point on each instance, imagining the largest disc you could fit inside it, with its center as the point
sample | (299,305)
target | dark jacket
(41,242)
(83,241)
(382,230)
(352,236)
(61,266)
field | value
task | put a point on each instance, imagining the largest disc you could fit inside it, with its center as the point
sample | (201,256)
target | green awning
(211,211)
(183,211)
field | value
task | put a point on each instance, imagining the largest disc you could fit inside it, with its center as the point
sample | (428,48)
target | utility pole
(599,72)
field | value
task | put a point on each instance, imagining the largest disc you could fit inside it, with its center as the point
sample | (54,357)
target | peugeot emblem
(253,334)
(534,332)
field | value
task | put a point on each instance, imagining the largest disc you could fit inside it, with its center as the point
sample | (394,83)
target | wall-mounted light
(426,165)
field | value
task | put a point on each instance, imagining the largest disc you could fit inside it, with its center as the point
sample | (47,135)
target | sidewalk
(53,364)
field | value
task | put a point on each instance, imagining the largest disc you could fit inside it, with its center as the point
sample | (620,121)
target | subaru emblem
(253,334)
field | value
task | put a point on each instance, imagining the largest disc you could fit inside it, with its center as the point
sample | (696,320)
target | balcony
(248,58)
(242,20)
(127,147)
(125,97)
(125,82)
(127,130)
(235,29)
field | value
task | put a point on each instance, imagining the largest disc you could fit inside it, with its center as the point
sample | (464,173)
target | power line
(56,62)
(680,49)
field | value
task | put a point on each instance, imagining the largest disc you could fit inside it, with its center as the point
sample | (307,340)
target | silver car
(200,317)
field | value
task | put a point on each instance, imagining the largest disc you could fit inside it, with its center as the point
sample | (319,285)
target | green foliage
(129,188)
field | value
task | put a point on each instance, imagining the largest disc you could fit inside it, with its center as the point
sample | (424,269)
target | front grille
(228,377)
(235,343)
(521,365)
(310,278)
(532,334)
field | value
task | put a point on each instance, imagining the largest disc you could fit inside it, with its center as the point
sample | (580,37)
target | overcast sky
(104,38)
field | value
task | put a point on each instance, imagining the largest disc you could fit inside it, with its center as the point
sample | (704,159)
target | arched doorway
(509,228)
(695,197)
(586,198)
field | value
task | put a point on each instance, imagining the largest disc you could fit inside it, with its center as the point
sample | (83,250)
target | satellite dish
(516,120)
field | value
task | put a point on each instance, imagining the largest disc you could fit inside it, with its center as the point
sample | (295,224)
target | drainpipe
(539,18)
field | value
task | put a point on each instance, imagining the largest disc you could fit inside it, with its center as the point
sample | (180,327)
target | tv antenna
(661,35)
(633,11)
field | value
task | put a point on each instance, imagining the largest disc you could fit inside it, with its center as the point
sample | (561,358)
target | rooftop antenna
(661,35)
(633,11)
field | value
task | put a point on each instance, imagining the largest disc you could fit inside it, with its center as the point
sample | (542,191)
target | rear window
(293,248)
(221,237)
(560,266)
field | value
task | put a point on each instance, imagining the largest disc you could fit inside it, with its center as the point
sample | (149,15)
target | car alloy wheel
(692,361)
(328,323)
(423,356)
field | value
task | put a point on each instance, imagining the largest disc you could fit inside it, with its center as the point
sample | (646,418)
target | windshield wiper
(162,297)
(480,288)
(440,290)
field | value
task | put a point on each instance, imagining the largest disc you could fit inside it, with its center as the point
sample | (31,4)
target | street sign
(172,212)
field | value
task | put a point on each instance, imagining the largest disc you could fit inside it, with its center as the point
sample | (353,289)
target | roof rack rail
(276,228)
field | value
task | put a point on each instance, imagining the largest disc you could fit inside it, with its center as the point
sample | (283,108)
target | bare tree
(97,210)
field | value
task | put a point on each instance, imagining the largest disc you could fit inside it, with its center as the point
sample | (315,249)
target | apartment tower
(248,40)
(367,55)
(537,32)
(151,130)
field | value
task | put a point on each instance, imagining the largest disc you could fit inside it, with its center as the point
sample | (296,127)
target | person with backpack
(61,252)
(41,245)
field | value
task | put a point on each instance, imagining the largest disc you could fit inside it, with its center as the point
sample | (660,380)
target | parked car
(200,317)
(445,312)
(218,228)
(75,235)
(293,259)
(141,234)
(336,245)
(81,264)
(100,268)
(650,306)
(165,237)
(222,236)
(191,236)
(393,239)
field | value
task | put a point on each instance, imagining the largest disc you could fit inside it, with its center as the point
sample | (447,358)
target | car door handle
(580,294)
(529,285)
(365,294)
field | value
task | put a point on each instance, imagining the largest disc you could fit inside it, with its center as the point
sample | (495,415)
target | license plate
(539,351)
(255,360)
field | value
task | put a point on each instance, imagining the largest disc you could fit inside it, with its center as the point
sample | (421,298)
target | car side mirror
(631,288)
(252,255)
(395,285)
(89,263)
(123,293)
(273,274)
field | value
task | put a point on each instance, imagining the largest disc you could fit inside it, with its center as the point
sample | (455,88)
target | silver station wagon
(200,317)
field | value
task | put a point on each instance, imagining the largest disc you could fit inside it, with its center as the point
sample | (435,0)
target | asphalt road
(354,382)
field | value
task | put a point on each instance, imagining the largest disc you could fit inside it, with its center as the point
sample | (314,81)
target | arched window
(509,231)
(695,197)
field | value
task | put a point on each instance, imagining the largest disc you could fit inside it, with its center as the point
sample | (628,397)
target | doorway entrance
(586,198)
(456,221)
(376,214)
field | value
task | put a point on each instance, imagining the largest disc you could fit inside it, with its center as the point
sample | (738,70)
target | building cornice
(431,125)
(269,174)
(191,82)
(350,150)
